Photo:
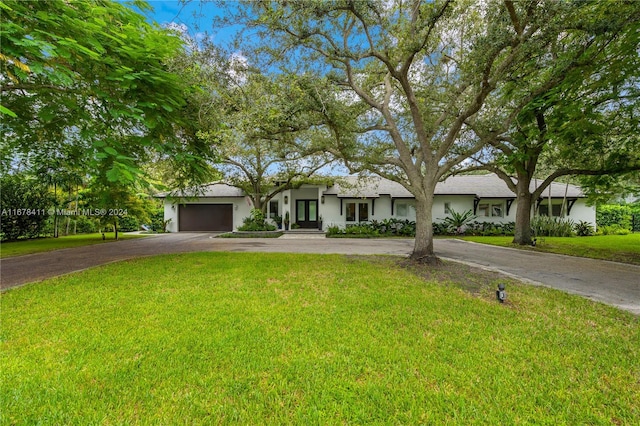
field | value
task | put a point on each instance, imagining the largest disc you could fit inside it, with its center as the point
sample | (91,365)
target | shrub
(128,224)
(635,221)
(333,230)
(614,229)
(361,229)
(544,226)
(440,228)
(456,223)
(583,229)
(85,225)
(158,223)
(614,214)
(478,228)
(25,203)
(256,222)
(387,227)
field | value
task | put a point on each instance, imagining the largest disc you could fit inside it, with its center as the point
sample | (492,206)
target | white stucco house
(220,207)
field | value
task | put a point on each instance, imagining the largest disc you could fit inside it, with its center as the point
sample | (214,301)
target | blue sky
(196,15)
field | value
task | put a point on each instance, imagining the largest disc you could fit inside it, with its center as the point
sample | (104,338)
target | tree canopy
(271,136)
(583,122)
(415,75)
(87,84)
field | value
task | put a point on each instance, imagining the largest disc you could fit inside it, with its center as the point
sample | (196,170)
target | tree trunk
(522,232)
(423,246)
(115,227)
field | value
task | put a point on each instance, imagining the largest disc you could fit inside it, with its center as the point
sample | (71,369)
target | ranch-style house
(218,207)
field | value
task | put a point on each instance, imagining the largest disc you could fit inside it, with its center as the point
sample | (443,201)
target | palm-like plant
(457,221)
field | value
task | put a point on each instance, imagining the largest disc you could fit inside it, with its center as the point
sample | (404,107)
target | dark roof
(481,186)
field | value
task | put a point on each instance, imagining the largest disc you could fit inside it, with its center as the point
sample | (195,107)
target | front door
(307,213)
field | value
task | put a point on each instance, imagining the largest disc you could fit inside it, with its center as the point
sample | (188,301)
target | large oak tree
(422,69)
(584,121)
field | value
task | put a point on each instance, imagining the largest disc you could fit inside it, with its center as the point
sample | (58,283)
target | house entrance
(307,213)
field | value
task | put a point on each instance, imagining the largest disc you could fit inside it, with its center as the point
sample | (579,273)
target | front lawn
(255,338)
(618,248)
(18,248)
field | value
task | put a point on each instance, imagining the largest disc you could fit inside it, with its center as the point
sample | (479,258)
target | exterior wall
(495,210)
(580,211)
(380,209)
(330,212)
(458,203)
(489,209)
(241,209)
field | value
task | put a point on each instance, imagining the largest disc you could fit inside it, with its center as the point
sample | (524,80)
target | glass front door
(307,213)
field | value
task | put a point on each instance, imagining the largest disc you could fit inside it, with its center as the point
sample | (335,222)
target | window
(363,212)
(301,211)
(447,208)
(556,209)
(357,212)
(490,210)
(273,209)
(351,212)
(402,210)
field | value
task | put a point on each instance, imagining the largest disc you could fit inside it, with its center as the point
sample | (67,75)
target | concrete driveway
(616,284)
(612,283)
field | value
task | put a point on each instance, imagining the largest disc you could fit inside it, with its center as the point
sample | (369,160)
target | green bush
(614,229)
(256,222)
(583,229)
(387,227)
(128,224)
(157,220)
(457,222)
(544,226)
(440,228)
(25,204)
(635,222)
(84,225)
(478,228)
(614,214)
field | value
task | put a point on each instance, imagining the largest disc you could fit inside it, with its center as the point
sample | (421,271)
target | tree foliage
(87,83)
(25,204)
(415,75)
(583,119)
(271,138)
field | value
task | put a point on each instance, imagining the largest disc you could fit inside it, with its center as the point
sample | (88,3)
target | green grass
(618,248)
(249,338)
(18,248)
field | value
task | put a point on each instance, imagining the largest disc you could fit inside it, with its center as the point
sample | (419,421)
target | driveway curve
(613,283)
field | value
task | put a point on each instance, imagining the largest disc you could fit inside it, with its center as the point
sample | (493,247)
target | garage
(205,217)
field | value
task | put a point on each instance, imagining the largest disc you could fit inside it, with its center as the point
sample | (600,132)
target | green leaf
(8,112)
(111,151)
(113,175)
